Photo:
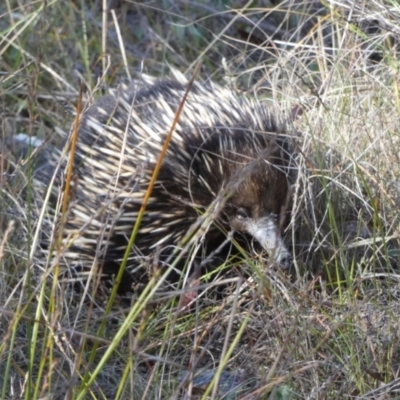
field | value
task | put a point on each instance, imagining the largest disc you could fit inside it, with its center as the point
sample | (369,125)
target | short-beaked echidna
(227,159)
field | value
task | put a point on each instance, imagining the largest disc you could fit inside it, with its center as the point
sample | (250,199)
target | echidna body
(227,160)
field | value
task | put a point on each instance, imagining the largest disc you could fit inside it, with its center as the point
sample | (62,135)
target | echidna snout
(253,211)
(266,232)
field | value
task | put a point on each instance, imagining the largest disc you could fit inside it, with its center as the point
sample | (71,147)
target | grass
(326,330)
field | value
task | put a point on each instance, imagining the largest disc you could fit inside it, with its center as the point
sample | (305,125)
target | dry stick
(104,19)
(121,44)
(74,140)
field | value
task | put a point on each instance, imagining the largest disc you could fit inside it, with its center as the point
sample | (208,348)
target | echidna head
(255,209)
(248,170)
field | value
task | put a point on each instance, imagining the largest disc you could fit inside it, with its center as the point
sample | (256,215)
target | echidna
(227,160)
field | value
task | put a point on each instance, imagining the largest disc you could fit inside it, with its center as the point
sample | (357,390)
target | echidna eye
(241,214)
